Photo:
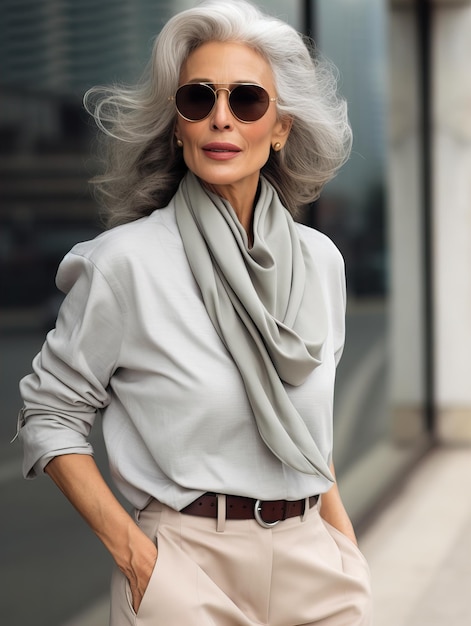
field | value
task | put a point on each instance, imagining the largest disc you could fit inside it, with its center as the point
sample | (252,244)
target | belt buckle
(257,511)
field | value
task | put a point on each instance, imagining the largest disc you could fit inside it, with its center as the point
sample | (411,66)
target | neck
(243,202)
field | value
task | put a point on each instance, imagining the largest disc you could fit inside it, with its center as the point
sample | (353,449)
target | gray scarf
(266,304)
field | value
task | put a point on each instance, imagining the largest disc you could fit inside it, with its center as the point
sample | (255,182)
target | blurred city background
(400,212)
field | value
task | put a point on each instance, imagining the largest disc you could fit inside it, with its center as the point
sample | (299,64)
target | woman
(205,326)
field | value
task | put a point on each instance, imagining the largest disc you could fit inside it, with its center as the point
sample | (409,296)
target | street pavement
(419,545)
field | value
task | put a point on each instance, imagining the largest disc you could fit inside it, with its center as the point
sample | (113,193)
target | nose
(221,115)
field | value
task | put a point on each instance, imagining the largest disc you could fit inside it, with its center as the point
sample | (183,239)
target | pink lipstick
(221,151)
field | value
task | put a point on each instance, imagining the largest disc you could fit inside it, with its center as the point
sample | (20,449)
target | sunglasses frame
(215,91)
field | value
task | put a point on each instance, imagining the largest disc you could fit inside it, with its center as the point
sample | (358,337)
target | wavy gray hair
(143,166)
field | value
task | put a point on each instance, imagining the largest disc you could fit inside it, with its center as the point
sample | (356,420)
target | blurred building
(400,210)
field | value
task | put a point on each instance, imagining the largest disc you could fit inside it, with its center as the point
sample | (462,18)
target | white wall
(452,217)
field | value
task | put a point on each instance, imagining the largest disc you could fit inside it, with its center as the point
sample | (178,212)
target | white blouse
(133,342)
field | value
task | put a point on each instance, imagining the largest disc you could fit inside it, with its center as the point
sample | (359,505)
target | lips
(217,147)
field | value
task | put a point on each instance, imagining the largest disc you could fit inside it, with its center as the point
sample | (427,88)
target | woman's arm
(333,511)
(79,478)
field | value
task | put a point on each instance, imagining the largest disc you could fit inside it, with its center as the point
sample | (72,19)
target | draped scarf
(266,304)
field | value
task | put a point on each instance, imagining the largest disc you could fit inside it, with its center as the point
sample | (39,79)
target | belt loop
(221,518)
(306,509)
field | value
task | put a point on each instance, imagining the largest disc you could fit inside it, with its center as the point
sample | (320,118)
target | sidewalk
(419,546)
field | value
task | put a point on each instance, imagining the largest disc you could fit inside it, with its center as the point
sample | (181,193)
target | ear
(176,129)
(282,129)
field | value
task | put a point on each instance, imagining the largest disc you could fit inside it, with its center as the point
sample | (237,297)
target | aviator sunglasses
(247,102)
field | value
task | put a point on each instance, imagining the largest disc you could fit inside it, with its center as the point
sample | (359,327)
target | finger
(136,601)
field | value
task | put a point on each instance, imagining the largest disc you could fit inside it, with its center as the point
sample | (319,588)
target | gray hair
(143,165)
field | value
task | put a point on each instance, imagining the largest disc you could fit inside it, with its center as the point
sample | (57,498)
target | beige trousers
(236,573)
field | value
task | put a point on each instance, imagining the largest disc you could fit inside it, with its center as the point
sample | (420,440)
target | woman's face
(225,153)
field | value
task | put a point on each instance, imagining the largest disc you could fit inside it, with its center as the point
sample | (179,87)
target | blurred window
(372,211)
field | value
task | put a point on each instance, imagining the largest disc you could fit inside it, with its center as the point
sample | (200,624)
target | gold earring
(277,146)
(179,143)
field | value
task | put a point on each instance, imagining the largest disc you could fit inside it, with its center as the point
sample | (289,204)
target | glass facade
(373,210)
(52,51)
(352,210)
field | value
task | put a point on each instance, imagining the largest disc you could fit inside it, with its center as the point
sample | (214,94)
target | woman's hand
(138,572)
(135,554)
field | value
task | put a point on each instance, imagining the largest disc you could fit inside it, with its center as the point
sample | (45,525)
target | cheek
(259,135)
(260,145)
(187,132)
(190,140)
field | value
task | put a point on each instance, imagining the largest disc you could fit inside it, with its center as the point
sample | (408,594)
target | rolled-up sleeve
(71,374)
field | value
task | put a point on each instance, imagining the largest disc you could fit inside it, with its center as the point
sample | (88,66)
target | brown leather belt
(266,512)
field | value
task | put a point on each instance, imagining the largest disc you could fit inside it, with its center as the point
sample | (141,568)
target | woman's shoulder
(122,253)
(139,238)
(321,247)
(331,270)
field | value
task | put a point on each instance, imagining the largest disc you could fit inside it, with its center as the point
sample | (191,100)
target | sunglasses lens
(249,102)
(194,102)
